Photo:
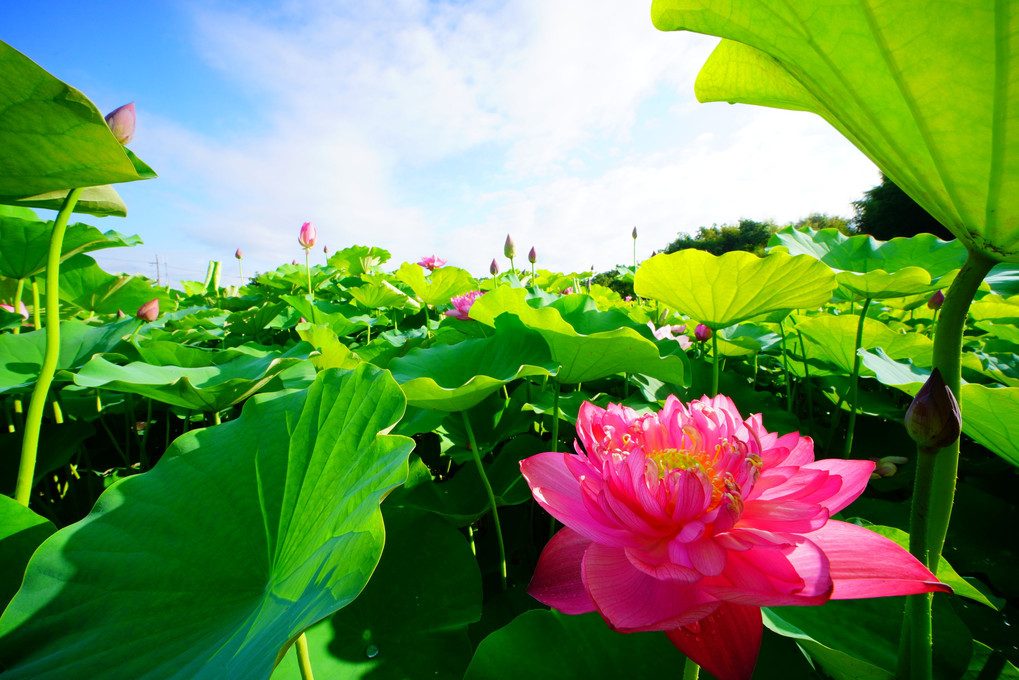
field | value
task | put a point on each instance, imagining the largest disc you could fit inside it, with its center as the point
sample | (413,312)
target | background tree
(886,211)
(749,235)
(817,221)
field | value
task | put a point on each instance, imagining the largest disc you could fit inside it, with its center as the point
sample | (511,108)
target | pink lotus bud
(149,311)
(325,249)
(532,256)
(509,249)
(121,122)
(493,268)
(308,235)
(634,233)
(933,418)
(239,255)
(293,262)
(702,333)
(936,300)
(567,291)
(121,314)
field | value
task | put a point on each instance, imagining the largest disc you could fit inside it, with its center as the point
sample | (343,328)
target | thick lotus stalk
(122,121)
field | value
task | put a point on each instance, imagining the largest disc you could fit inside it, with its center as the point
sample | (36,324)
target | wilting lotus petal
(690,519)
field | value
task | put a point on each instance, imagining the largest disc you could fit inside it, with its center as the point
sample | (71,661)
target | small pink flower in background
(691,519)
(567,291)
(293,262)
(23,310)
(149,311)
(672,333)
(935,301)
(239,255)
(308,235)
(462,305)
(629,298)
(493,268)
(432,262)
(122,121)
(702,333)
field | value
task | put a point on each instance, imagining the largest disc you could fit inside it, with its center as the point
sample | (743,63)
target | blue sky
(425,127)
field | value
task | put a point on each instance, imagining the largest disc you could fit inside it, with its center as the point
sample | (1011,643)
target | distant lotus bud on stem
(239,255)
(121,122)
(121,314)
(510,248)
(702,333)
(933,420)
(325,249)
(634,233)
(493,268)
(308,235)
(936,300)
(149,311)
(532,256)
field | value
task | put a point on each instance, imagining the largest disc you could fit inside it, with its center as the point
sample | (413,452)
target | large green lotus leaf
(833,339)
(21,532)
(359,259)
(990,415)
(927,92)
(744,339)
(378,293)
(53,137)
(331,352)
(240,537)
(21,355)
(178,377)
(440,286)
(863,253)
(587,344)
(457,377)
(997,309)
(411,620)
(547,645)
(344,319)
(1003,279)
(1002,368)
(720,291)
(84,284)
(101,201)
(26,244)
(859,638)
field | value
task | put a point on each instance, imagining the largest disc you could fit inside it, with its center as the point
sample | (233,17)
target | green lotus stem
(307,268)
(936,469)
(691,670)
(788,378)
(58,415)
(36,314)
(854,384)
(714,363)
(806,379)
(33,423)
(16,303)
(144,455)
(303,658)
(491,497)
(512,267)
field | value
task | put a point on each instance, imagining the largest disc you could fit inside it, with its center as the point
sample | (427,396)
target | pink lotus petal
(632,601)
(557,579)
(854,473)
(866,564)
(724,643)
(798,575)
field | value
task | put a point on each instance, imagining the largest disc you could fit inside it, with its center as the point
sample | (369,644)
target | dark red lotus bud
(933,419)
(702,333)
(935,301)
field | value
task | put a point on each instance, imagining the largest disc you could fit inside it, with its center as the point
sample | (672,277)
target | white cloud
(357,99)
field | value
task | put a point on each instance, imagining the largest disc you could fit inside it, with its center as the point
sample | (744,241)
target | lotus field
(795,465)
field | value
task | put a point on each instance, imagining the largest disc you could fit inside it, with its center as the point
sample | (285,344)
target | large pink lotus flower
(462,304)
(432,262)
(691,519)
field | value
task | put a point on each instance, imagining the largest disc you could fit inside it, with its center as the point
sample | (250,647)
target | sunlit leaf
(927,95)
(277,523)
(720,291)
